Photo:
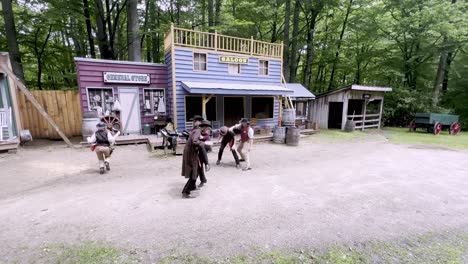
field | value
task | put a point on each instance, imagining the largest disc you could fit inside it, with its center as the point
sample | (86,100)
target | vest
(244,134)
(101,138)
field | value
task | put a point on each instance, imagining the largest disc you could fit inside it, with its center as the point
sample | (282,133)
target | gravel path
(295,197)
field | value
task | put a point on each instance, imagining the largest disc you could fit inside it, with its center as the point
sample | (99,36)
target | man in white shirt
(246,141)
(103,140)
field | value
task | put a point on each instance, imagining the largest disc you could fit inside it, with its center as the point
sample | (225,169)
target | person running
(102,141)
(246,141)
(228,138)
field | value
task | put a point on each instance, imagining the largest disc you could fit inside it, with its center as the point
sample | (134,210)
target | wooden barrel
(292,136)
(89,126)
(289,117)
(279,135)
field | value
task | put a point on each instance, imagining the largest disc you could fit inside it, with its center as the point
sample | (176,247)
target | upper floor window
(263,67)
(234,68)
(199,62)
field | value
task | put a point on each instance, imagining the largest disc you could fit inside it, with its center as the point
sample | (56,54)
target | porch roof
(234,88)
(299,91)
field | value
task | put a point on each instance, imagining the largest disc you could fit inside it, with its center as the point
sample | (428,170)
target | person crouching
(102,141)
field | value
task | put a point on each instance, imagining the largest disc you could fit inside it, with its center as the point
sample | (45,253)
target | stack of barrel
(288,133)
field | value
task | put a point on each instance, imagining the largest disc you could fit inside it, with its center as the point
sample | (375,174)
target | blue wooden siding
(218,72)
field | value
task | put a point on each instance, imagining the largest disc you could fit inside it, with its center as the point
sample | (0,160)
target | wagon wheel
(455,128)
(112,122)
(412,126)
(437,128)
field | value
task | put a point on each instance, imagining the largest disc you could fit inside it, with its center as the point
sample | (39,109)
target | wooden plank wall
(63,106)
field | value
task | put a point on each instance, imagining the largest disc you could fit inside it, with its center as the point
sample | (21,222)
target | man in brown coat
(190,161)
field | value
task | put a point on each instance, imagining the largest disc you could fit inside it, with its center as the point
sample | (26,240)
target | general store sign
(233,59)
(122,77)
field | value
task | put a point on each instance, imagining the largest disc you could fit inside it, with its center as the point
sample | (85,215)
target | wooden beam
(364,114)
(38,106)
(173,73)
(380,114)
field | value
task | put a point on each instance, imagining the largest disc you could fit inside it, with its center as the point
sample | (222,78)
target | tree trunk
(233,8)
(39,52)
(177,4)
(337,54)
(145,26)
(156,36)
(203,10)
(310,47)
(293,69)
(89,31)
(450,58)
(286,67)
(274,27)
(439,77)
(218,12)
(133,40)
(13,48)
(210,13)
(103,42)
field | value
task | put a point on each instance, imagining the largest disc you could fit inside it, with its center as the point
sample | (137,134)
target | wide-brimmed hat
(101,125)
(244,121)
(196,118)
(223,130)
(205,123)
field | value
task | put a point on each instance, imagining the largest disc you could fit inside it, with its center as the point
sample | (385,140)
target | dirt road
(295,197)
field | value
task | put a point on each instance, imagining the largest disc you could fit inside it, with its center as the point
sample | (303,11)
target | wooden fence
(62,106)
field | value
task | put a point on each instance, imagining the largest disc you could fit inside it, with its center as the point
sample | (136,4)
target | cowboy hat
(196,118)
(223,130)
(205,123)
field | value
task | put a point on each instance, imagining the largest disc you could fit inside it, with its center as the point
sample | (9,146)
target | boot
(107,165)
(101,170)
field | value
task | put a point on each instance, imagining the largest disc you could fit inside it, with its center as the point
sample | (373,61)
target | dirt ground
(295,197)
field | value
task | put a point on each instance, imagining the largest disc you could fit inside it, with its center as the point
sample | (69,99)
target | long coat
(190,156)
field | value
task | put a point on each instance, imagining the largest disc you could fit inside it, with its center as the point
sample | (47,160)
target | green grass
(428,248)
(337,136)
(403,136)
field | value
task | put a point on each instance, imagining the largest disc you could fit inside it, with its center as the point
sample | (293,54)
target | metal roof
(358,88)
(119,62)
(300,91)
(234,88)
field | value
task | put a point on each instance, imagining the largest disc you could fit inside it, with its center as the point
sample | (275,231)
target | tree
(294,51)
(133,40)
(286,66)
(89,31)
(13,47)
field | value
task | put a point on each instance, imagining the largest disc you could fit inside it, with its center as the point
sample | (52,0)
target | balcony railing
(217,42)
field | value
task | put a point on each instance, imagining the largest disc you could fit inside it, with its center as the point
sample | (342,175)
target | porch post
(380,114)
(205,100)
(174,83)
(364,115)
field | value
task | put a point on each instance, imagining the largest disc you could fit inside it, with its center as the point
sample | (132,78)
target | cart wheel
(437,128)
(455,128)
(412,126)
(112,122)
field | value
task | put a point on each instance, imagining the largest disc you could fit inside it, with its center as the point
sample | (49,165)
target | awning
(300,91)
(234,88)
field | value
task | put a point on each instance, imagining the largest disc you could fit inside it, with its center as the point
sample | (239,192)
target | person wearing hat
(190,159)
(228,138)
(102,141)
(246,140)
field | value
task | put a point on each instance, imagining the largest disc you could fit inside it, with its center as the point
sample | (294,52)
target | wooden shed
(363,104)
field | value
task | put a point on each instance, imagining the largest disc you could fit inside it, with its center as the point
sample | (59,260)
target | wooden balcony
(213,41)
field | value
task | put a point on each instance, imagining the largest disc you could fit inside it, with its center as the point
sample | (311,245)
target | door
(130,111)
(335,114)
(233,110)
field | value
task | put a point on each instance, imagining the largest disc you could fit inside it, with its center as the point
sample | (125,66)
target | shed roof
(234,88)
(357,87)
(299,91)
(79,59)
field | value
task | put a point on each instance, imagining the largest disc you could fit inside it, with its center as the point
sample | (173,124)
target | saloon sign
(233,59)
(121,77)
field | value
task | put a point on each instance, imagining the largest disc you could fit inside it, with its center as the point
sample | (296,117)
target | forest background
(417,47)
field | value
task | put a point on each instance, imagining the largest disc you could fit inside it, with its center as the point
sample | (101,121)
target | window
(100,98)
(234,68)
(154,101)
(301,109)
(262,107)
(199,62)
(193,106)
(263,67)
